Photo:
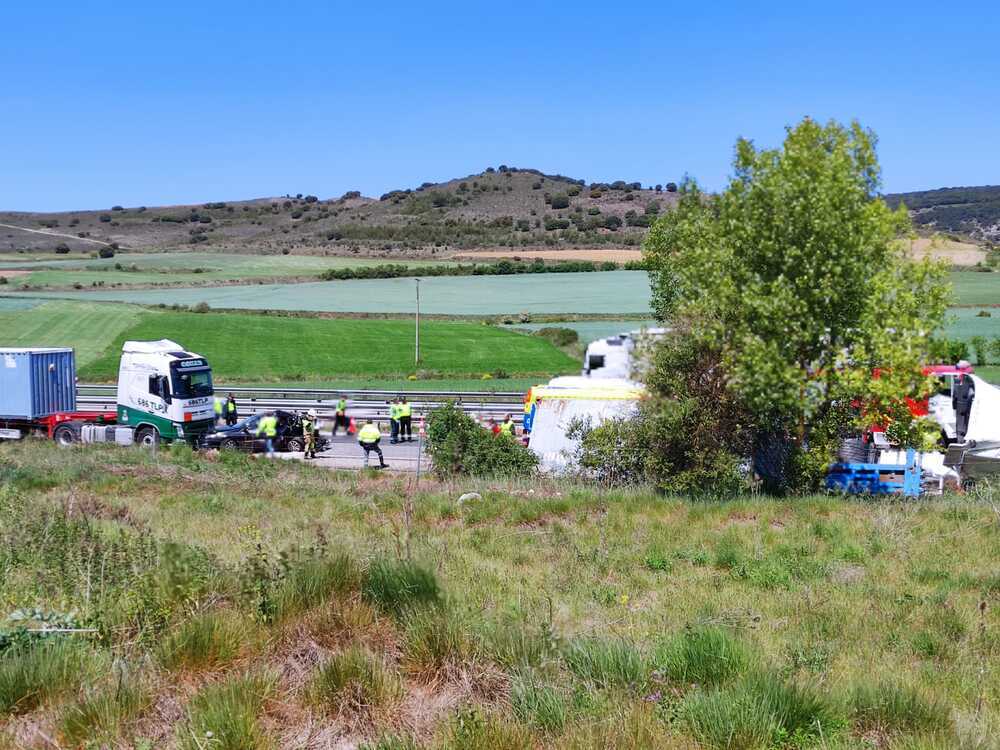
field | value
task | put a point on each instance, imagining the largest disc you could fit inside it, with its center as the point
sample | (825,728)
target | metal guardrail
(373,404)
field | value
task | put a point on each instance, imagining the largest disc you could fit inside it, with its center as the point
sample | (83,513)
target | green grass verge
(563,615)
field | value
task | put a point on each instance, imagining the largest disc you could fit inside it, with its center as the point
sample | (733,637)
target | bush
(560,200)
(703,656)
(106,252)
(353,681)
(105,218)
(558,336)
(457,445)
(981,347)
(886,706)
(948,351)
(314,582)
(206,641)
(612,222)
(32,673)
(230,711)
(607,664)
(613,453)
(398,586)
(62,248)
(201,307)
(100,715)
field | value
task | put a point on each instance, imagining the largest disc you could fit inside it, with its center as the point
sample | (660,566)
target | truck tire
(295,445)
(67,433)
(147,436)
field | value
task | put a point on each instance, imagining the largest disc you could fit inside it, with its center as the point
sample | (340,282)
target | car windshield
(191,383)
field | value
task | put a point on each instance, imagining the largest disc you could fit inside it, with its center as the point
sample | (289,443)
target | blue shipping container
(36,382)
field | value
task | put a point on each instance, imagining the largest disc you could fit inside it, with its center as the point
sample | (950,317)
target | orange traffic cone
(351,427)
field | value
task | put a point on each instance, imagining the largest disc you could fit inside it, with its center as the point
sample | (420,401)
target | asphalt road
(345,453)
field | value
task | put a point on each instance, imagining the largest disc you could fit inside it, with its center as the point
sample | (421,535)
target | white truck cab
(615,356)
(164,392)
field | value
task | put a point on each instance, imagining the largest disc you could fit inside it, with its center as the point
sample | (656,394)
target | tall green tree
(795,278)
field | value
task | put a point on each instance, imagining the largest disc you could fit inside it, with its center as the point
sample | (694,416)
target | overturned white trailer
(565,400)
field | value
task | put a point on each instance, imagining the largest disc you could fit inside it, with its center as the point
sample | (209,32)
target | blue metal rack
(869,479)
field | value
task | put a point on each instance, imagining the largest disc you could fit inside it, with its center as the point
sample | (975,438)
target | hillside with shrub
(969,211)
(499,207)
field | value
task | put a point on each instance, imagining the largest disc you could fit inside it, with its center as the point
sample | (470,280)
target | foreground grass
(542,615)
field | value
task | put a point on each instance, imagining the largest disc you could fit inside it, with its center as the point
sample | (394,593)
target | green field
(605,292)
(255,347)
(87,327)
(267,602)
(616,292)
(177,268)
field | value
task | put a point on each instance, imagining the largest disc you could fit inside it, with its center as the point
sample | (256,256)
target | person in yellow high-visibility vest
(268,427)
(369,436)
(309,430)
(217,405)
(230,408)
(508,427)
(405,421)
(394,421)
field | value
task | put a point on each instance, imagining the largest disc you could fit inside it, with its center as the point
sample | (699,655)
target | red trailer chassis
(48,424)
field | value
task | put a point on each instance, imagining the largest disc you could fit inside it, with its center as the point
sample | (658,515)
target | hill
(505,207)
(970,211)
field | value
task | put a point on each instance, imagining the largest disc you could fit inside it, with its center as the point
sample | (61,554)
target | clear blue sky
(152,103)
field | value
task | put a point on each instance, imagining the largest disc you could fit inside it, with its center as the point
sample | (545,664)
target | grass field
(271,605)
(175,268)
(606,292)
(256,347)
(613,292)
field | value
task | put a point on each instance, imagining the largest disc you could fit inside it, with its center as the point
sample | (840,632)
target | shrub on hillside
(105,218)
(558,336)
(62,248)
(458,445)
(106,252)
(560,200)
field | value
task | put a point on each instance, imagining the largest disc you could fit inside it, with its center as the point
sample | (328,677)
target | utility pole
(417,347)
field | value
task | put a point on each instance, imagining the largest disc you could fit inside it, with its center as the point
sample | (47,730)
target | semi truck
(164,393)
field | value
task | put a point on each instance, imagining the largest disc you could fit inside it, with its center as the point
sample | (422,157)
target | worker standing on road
(230,409)
(405,420)
(309,433)
(268,426)
(217,405)
(394,421)
(341,416)
(508,427)
(368,437)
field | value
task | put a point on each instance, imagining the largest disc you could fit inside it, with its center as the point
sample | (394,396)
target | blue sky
(146,104)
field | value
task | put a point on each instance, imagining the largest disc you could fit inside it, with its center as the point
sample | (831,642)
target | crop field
(225,602)
(615,292)
(174,268)
(248,347)
(607,292)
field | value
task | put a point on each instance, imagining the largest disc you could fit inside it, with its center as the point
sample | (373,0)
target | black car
(243,435)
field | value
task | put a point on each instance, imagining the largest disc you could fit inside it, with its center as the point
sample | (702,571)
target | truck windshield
(191,383)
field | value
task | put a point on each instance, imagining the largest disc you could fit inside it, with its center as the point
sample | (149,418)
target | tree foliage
(791,280)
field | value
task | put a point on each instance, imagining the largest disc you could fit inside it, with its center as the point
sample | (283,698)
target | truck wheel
(229,445)
(67,433)
(147,436)
(294,445)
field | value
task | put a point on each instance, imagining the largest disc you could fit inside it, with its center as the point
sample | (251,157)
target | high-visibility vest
(268,426)
(405,409)
(507,428)
(393,411)
(307,426)
(341,406)
(369,434)
(231,406)
(218,406)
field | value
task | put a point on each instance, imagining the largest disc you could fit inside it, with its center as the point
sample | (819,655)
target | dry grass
(613,254)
